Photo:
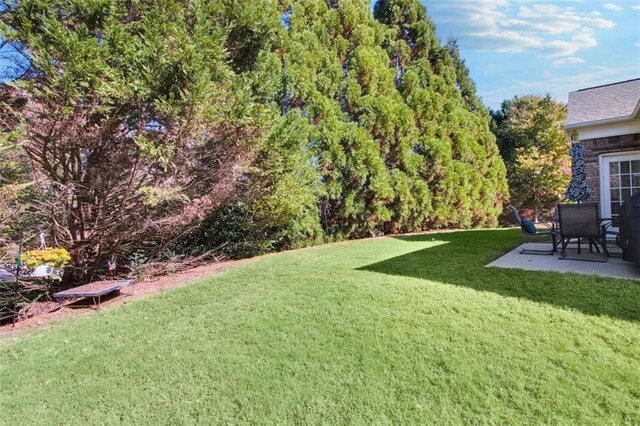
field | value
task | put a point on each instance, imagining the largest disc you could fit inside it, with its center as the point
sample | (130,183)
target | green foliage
(530,133)
(323,120)
(398,147)
(230,230)
(459,158)
(18,192)
(285,185)
(133,116)
(280,207)
(154,196)
(465,84)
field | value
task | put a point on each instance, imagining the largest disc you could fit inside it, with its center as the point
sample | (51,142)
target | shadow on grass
(461,262)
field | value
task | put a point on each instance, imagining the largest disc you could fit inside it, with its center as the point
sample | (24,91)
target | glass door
(619,181)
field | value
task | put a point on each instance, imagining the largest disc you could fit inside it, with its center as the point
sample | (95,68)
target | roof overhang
(631,117)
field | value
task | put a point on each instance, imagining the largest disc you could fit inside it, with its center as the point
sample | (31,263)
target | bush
(230,230)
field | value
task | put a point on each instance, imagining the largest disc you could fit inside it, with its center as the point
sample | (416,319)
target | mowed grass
(407,330)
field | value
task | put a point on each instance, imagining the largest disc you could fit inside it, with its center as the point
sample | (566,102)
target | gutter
(604,121)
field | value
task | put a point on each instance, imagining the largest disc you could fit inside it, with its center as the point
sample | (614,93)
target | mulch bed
(42,313)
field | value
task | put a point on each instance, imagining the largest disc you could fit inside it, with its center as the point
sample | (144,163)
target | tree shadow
(460,258)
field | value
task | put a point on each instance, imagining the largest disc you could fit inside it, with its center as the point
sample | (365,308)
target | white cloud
(598,22)
(538,10)
(542,27)
(635,7)
(613,6)
(584,38)
(504,42)
(518,26)
(559,48)
(571,60)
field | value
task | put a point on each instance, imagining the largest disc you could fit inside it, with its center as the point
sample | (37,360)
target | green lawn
(407,330)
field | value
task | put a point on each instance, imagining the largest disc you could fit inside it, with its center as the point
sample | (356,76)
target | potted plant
(46,262)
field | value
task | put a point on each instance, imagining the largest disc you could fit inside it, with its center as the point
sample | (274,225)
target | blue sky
(519,47)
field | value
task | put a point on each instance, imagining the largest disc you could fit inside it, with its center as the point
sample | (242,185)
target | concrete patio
(614,267)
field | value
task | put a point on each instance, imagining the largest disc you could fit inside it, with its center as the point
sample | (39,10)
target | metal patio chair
(581,221)
(529,229)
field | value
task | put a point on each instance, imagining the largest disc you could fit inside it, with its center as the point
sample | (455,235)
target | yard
(391,330)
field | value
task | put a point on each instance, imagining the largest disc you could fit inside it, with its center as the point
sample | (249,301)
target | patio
(614,267)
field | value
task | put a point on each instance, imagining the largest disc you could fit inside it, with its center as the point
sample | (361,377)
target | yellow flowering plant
(56,257)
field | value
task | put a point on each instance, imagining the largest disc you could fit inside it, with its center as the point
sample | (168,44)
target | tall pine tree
(463,169)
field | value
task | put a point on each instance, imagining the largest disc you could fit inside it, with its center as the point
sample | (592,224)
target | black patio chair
(610,234)
(529,229)
(581,221)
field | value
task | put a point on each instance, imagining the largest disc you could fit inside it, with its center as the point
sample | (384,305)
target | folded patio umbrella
(578,189)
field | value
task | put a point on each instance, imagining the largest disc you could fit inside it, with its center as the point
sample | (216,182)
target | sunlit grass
(410,330)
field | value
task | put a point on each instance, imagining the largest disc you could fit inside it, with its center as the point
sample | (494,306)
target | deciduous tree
(530,134)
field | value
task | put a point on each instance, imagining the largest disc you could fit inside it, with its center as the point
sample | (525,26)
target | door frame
(603,165)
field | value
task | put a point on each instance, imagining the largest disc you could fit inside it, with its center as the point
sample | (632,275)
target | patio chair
(529,229)
(581,221)
(611,234)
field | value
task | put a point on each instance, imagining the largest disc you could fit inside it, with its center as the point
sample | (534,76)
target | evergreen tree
(464,172)
(333,65)
(132,115)
(400,137)
(306,118)
(465,84)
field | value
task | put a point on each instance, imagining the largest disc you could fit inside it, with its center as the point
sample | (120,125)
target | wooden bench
(93,290)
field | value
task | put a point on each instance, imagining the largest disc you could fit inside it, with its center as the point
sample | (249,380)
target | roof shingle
(612,101)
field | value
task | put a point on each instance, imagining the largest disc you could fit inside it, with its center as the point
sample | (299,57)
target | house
(606,120)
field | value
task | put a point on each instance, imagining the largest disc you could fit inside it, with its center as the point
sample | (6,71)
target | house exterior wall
(605,145)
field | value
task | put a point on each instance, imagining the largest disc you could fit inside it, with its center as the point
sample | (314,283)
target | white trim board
(606,130)
(603,171)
